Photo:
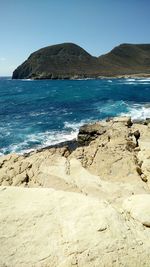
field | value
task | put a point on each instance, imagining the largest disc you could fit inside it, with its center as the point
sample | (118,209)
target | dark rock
(130,145)
(139,170)
(90,132)
(137,136)
(147,121)
(144,178)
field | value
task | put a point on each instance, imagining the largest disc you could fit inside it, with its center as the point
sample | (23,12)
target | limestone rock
(82,205)
(106,156)
(139,208)
(125,120)
(44,227)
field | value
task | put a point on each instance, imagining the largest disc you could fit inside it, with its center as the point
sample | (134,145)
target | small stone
(144,178)
(140,242)
(74,261)
(20,178)
(102,228)
(138,169)
(137,149)
(137,134)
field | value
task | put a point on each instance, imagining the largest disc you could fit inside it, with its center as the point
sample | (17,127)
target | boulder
(90,132)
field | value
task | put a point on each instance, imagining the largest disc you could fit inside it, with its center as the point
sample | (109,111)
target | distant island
(70,61)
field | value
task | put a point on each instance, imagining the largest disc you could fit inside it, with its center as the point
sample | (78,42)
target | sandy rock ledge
(45,227)
(84,204)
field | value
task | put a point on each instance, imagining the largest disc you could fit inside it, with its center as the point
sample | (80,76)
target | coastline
(93,134)
(83,192)
(74,143)
(78,77)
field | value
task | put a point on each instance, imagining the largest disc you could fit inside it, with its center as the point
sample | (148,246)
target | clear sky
(95,25)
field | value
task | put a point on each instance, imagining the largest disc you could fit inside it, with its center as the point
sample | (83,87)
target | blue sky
(95,25)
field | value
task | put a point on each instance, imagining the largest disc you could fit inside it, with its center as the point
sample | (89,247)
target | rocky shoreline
(80,203)
(79,77)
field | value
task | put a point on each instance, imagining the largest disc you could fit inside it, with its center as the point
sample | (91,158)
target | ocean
(35,114)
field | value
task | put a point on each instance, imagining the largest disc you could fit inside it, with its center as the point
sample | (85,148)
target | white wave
(76,125)
(35,114)
(83,79)
(130,79)
(73,126)
(110,107)
(27,80)
(60,137)
(130,83)
(135,81)
(138,112)
(145,83)
(49,138)
(144,80)
(44,139)
(4,131)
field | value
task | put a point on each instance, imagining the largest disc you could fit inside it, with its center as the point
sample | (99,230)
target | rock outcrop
(45,227)
(69,61)
(82,205)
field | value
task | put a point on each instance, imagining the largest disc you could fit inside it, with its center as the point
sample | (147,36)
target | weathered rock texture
(94,209)
(44,227)
(69,61)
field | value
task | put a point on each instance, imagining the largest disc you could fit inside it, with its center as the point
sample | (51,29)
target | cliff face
(65,61)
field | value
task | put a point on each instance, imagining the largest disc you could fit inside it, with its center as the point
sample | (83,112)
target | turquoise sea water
(35,114)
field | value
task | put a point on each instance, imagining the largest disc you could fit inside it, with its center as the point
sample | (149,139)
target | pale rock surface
(45,227)
(86,206)
(144,153)
(139,208)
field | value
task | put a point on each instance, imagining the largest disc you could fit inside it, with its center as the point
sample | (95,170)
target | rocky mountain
(70,61)
(58,62)
(127,59)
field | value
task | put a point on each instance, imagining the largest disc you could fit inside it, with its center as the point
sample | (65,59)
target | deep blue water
(39,113)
